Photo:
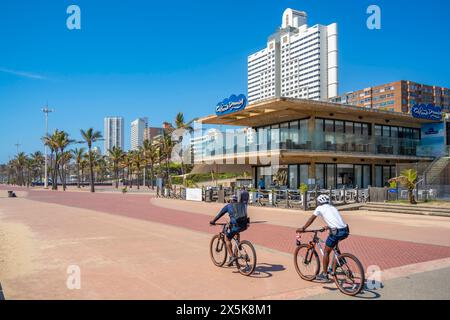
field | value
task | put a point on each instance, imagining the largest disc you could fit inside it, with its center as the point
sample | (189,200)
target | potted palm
(407,179)
(303,189)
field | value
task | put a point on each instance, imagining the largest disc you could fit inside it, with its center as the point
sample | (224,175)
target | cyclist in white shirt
(338,229)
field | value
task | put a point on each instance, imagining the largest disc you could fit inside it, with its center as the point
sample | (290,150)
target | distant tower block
(294,18)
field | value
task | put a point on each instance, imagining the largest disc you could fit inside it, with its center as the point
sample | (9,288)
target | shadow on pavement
(364,294)
(264,270)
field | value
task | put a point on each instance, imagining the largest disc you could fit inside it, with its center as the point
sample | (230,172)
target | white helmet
(323,199)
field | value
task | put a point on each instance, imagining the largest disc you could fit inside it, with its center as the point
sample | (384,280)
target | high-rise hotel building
(113,133)
(298,62)
(138,127)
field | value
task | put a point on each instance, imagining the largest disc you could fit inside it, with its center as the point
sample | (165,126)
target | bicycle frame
(317,242)
(236,238)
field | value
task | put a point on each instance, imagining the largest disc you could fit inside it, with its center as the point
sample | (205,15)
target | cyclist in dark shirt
(238,223)
(244,195)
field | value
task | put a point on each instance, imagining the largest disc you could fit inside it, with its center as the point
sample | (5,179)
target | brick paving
(371,251)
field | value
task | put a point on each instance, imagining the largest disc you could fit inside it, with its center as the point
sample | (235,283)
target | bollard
(305,200)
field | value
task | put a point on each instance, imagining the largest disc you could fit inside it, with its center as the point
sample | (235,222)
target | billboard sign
(433,140)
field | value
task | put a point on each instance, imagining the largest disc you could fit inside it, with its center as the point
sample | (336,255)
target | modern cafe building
(317,143)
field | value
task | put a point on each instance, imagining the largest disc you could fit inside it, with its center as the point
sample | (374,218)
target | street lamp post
(46,111)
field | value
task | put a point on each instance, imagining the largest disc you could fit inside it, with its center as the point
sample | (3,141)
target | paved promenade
(136,246)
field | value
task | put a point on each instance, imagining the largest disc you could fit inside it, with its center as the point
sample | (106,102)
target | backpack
(240,215)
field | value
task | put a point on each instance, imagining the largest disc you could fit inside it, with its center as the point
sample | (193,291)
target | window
(349,127)
(329,125)
(284,132)
(383,174)
(339,126)
(293,177)
(378,130)
(294,132)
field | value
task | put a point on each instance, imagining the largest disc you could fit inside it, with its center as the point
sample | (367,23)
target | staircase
(433,172)
(407,209)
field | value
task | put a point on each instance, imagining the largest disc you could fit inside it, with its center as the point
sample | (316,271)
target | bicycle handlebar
(315,231)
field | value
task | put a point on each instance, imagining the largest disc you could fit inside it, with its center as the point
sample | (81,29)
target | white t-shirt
(330,215)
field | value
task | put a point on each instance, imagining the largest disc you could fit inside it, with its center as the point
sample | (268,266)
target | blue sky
(155,58)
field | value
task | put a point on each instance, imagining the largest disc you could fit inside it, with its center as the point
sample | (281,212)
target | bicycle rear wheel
(306,262)
(348,274)
(246,258)
(218,250)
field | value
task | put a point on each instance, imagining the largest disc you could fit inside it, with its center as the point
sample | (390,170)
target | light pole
(17,147)
(46,111)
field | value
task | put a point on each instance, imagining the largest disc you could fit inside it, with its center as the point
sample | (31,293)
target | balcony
(320,142)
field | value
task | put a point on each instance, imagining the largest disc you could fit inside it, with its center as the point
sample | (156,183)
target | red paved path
(371,251)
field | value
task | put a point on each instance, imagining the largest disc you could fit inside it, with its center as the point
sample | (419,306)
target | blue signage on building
(232,104)
(427,112)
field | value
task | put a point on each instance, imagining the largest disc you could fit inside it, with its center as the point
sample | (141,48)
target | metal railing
(278,198)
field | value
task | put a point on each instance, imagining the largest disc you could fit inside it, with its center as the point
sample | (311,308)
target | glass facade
(341,136)
(337,137)
(383,174)
(336,176)
(288,176)
(396,140)
(328,135)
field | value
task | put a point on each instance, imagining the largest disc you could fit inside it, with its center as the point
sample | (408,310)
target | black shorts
(233,230)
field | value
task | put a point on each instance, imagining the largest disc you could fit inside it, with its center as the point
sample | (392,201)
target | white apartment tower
(113,133)
(298,62)
(137,132)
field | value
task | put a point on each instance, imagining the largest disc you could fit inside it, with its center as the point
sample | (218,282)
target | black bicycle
(346,269)
(243,250)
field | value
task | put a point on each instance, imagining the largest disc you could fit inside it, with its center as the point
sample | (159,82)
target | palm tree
(83,164)
(100,167)
(166,147)
(116,155)
(138,162)
(63,141)
(127,163)
(51,142)
(90,136)
(20,162)
(78,154)
(38,161)
(57,142)
(64,161)
(30,171)
(180,124)
(11,172)
(151,156)
(408,179)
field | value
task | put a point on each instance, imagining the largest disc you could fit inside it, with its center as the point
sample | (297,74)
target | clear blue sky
(155,58)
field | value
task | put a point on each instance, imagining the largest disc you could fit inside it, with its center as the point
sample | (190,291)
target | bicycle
(243,250)
(346,269)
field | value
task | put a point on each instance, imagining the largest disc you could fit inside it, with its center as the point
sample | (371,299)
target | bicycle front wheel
(218,250)
(246,258)
(306,262)
(348,274)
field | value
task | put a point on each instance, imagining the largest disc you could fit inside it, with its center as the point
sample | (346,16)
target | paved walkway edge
(388,274)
